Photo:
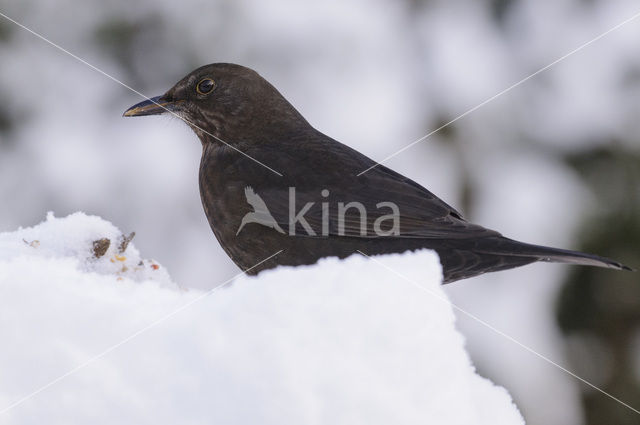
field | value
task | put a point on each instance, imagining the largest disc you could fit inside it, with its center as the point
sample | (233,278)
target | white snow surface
(71,240)
(340,342)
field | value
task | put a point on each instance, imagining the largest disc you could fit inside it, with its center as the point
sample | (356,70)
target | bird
(258,151)
(260,213)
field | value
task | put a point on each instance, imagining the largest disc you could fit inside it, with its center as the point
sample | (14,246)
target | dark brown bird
(270,182)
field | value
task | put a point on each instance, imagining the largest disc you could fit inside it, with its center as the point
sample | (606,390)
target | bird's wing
(338,214)
(317,162)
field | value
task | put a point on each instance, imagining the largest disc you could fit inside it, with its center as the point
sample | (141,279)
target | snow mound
(89,242)
(341,342)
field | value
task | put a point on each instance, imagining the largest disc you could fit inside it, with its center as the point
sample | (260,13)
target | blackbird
(271,183)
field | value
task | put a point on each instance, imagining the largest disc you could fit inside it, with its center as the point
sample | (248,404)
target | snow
(86,242)
(341,342)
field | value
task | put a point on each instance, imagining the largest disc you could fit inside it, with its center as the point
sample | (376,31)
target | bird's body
(270,182)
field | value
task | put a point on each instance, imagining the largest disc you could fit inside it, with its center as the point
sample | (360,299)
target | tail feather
(461,264)
(463,259)
(505,246)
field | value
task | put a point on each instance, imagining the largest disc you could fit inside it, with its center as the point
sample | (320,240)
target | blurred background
(555,161)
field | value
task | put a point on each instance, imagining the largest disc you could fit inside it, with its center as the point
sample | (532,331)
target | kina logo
(260,213)
(349,218)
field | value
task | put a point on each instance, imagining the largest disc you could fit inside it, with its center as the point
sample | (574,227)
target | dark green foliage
(604,308)
(8,120)
(130,41)
(5,31)
(116,37)
(499,9)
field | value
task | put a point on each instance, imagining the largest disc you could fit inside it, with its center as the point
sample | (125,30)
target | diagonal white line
(499,332)
(508,89)
(129,338)
(62,49)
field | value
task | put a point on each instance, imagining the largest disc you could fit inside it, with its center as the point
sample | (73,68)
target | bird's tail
(505,246)
(463,259)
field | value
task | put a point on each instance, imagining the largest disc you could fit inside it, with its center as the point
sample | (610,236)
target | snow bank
(343,342)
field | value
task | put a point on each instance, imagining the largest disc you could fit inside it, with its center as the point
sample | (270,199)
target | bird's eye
(205,86)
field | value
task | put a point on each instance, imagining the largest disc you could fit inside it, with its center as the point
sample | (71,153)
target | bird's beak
(154,106)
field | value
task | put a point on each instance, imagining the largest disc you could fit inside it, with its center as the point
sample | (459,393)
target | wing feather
(335,168)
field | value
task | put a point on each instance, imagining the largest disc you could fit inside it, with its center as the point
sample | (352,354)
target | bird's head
(223,100)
